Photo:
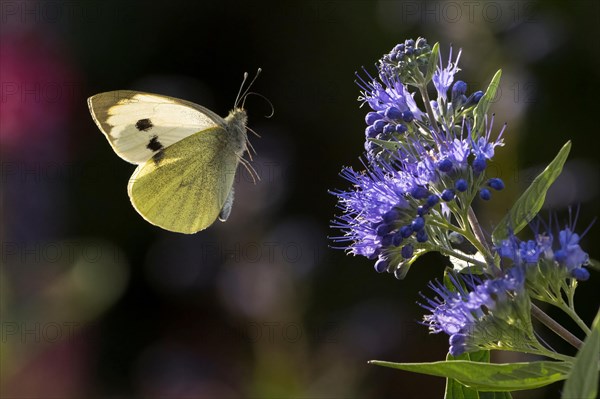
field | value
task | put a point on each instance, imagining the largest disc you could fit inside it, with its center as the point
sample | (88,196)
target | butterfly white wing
(140,125)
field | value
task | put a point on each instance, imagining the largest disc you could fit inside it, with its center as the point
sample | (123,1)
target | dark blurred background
(98,303)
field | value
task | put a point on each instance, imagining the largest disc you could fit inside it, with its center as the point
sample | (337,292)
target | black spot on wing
(154,144)
(143,125)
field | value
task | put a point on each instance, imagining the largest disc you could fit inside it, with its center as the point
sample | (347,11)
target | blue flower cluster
(406,59)
(372,210)
(425,164)
(394,108)
(564,252)
(472,312)
(416,165)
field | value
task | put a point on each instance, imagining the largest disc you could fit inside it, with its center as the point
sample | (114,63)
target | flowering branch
(423,171)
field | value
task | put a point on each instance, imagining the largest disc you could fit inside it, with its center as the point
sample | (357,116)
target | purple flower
(384,214)
(375,195)
(461,312)
(564,252)
(485,194)
(530,251)
(443,77)
(496,183)
(461,185)
(455,148)
(459,90)
(570,253)
(509,248)
(458,151)
(483,146)
(386,94)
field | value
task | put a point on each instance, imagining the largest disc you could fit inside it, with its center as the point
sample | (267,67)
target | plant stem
(569,308)
(444,225)
(487,254)
(477,230)
(547,353)
(554,326)
(427,103)
(571,312)
(464,232)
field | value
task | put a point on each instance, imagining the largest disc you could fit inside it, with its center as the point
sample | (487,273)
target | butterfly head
(237,119)
(237,125)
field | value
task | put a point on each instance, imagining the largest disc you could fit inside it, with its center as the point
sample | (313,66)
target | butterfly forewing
(141,125)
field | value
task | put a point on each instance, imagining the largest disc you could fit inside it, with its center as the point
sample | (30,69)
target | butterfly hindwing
(141,125)
(184,189)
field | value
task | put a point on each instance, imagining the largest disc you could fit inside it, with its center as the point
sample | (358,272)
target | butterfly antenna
(241,95)
(264,98)
(237,98)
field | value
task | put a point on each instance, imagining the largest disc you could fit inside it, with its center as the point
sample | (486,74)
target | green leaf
(448,283)
(456,390)
(484,103)
(583,380)
(531,201)
(433,62)
(490,377)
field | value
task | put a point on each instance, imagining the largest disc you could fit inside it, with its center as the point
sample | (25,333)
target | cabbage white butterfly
(186,154)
